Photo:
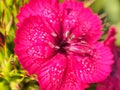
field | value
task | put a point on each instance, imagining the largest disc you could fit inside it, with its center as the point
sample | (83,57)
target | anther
(72,36)
(83,42)
(53,46)
(67,33)
(57,47)
(54,34)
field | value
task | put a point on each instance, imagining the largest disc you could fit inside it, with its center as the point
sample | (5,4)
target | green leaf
(112,8)
(4,85)
(118,34)
(98,5)
(88,3)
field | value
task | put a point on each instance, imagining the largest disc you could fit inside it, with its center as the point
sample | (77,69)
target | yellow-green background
(12,76)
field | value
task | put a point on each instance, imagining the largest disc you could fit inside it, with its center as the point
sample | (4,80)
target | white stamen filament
(53,46)
(54,34)
(67,33)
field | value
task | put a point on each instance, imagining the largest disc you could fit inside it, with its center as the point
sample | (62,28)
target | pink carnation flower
(113,81)
(59,43)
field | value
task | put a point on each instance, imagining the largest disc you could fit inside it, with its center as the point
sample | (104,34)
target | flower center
(63,46)
(70,44)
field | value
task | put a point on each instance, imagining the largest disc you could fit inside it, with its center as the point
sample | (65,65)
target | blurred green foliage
(12,75)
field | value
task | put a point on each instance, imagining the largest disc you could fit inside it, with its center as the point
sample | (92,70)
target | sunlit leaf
(112,8)
(118,34)
(4,85)
(98,5)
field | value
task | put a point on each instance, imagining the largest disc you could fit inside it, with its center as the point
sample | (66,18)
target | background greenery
(12,76)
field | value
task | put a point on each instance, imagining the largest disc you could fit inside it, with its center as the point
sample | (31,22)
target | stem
(5,45)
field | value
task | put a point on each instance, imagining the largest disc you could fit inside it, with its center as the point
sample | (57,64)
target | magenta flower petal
(33,42)
(110,39)
(38,7)
(113,81)
(53,75)
(71,81)
(80,22)
(47,9)
(59,43)
(92,66)
(52,72)
(69,0)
